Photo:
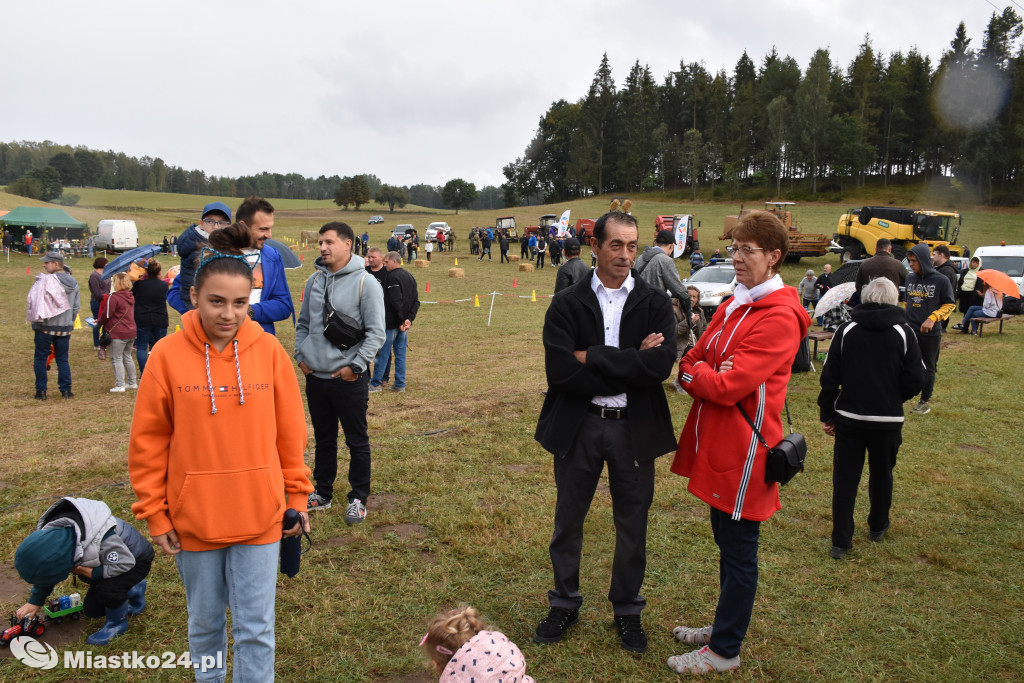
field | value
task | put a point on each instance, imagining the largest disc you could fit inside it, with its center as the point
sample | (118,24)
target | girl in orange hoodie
(216,457)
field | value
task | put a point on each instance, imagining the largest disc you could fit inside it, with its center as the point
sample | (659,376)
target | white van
(117,235)
(1008,259)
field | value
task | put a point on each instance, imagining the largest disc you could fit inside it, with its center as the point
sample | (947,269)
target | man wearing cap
(609,343)
(573,270)
(657,268)
(215,215)
(270,299)
(55,330)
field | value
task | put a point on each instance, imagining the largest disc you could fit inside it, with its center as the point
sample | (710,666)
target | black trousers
(504,256)
(737,542)
(524,248)
(331,401)
(540,259)
(111,593)
(930,345)
(601,441)
(882,446)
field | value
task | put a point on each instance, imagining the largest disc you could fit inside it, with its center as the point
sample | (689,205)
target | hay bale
(421,263)
(456,272)
(513,257)
(525,267)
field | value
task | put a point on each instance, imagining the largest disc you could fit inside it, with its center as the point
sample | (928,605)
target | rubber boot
(117,623)
(137,598)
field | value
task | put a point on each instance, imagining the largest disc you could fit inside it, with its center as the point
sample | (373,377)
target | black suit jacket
(574,323)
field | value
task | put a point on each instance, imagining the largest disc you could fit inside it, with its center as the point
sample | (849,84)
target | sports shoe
(877,536)
(958,326)
(702,661)
(355,512)
(398,389)
(555,624)
(133,385)
(40,395)
(838,553)
(317,502)
(692,636)
(631,632)
(922,408)
(101,353)
(117,390)
(66,393)
(374,388)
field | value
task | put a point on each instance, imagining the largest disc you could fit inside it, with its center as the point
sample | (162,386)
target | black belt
(606,413)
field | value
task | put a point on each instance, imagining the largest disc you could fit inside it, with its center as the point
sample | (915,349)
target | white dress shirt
(612,301)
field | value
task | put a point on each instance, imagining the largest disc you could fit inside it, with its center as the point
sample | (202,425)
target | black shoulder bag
(341,330)
(787,458)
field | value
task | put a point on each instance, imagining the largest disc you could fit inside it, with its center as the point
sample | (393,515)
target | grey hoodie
(658,269)
(63,322)
(366,307)
(929,295)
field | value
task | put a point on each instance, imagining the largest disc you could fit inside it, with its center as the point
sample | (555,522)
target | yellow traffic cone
(456,261)
(177,328)
(533,297)
(78,322)
(476,301)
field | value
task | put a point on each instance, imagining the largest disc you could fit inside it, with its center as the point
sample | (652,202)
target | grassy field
(463,498)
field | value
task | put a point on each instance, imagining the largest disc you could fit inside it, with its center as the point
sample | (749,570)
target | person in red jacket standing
(742,359)
(117,316)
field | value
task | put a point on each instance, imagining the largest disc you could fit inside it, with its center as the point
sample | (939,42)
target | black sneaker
(554,626)
(631,632)
(40,395)
(838,553)
(66,393)
(877,536)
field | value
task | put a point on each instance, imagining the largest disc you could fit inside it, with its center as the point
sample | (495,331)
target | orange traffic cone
(302,294)
(27,271)
(514,285)
(428,288)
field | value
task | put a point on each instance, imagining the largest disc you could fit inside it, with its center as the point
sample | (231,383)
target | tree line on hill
(819,131)
(41,170)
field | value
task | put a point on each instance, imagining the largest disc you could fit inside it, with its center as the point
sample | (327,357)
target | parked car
(715,282)
(1008,259)
(434,228)
(374,220)
(403,230)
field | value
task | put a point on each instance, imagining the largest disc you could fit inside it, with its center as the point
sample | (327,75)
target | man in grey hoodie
(929,301)
(56,331)
(336,378)
(657,268)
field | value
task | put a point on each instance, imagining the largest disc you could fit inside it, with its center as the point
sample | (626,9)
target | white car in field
(434,228)
(715,283)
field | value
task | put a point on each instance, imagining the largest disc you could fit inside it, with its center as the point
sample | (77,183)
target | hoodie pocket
(228,507)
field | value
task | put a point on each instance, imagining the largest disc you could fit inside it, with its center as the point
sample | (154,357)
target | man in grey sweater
(336,378)
(658,269)
(56,330)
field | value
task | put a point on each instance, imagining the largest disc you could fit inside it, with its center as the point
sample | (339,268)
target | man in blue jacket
(215,215)
(270,300)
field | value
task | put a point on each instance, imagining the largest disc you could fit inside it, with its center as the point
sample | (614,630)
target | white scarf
(743,296)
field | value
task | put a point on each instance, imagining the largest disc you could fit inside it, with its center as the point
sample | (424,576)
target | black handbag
(341,330)
(786,459)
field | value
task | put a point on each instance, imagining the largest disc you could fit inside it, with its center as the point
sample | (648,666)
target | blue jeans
(244,578)
(737,575)
(94,306)
(145,339)
(61,344)
(393,339)
(973,312)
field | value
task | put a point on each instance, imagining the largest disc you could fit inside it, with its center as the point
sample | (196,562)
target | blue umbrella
(288,256)
(124,261)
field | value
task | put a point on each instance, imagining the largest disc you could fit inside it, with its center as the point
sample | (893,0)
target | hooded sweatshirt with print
(217,439)
(929,295)
(487,657)
(353,292)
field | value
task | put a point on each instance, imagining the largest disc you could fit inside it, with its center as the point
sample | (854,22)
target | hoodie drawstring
(238,375)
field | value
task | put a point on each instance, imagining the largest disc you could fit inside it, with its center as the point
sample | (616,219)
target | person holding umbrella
(992,306)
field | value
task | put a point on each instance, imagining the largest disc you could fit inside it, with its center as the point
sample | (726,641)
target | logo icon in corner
(33,653)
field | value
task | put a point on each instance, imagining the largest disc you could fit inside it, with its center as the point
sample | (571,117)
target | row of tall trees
(814,130)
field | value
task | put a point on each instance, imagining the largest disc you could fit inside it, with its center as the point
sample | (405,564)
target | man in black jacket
(882,264)
(940,259)
(573,270)
(401,301)
(609,343)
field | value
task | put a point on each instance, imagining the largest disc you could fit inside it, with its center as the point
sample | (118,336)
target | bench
(981,322)
(820,336)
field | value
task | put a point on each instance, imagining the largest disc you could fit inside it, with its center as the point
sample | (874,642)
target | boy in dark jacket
(215,215)
(81,536)
(929,301)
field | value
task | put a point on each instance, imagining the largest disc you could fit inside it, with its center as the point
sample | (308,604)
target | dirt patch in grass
(972,447)
(516,468)
(921,559)
(405,532)
(12,587)
(340,541)
(386,501)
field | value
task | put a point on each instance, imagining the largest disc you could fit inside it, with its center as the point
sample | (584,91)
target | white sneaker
(702,661)
(117,390)
(134,385)
(355,512)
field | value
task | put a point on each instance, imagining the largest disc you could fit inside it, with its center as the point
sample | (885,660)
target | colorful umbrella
(999,281)
(834,297)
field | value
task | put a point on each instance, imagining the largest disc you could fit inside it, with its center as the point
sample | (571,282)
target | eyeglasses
(745,250)
(215,223)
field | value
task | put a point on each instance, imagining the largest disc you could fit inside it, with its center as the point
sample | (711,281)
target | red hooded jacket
(718,450)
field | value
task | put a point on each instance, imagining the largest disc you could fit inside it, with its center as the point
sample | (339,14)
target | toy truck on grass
(29,626)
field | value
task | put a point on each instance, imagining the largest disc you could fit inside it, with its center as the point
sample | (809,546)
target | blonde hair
(450,631)
(121,281)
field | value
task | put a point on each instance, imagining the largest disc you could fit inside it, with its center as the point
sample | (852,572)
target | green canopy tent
(45,223)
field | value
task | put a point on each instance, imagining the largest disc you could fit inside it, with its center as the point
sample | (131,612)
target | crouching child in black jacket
(81,536)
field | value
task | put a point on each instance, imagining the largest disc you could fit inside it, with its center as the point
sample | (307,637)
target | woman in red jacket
(742,359)
(117,315)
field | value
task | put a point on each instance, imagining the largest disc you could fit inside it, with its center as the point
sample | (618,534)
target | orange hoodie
(220,478)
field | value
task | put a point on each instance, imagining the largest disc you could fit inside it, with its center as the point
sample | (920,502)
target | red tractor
(29,626)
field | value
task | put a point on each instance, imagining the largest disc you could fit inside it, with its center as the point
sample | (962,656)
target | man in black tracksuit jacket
(605,403)
(873,366)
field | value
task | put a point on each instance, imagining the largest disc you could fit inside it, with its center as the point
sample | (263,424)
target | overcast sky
(410,91)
